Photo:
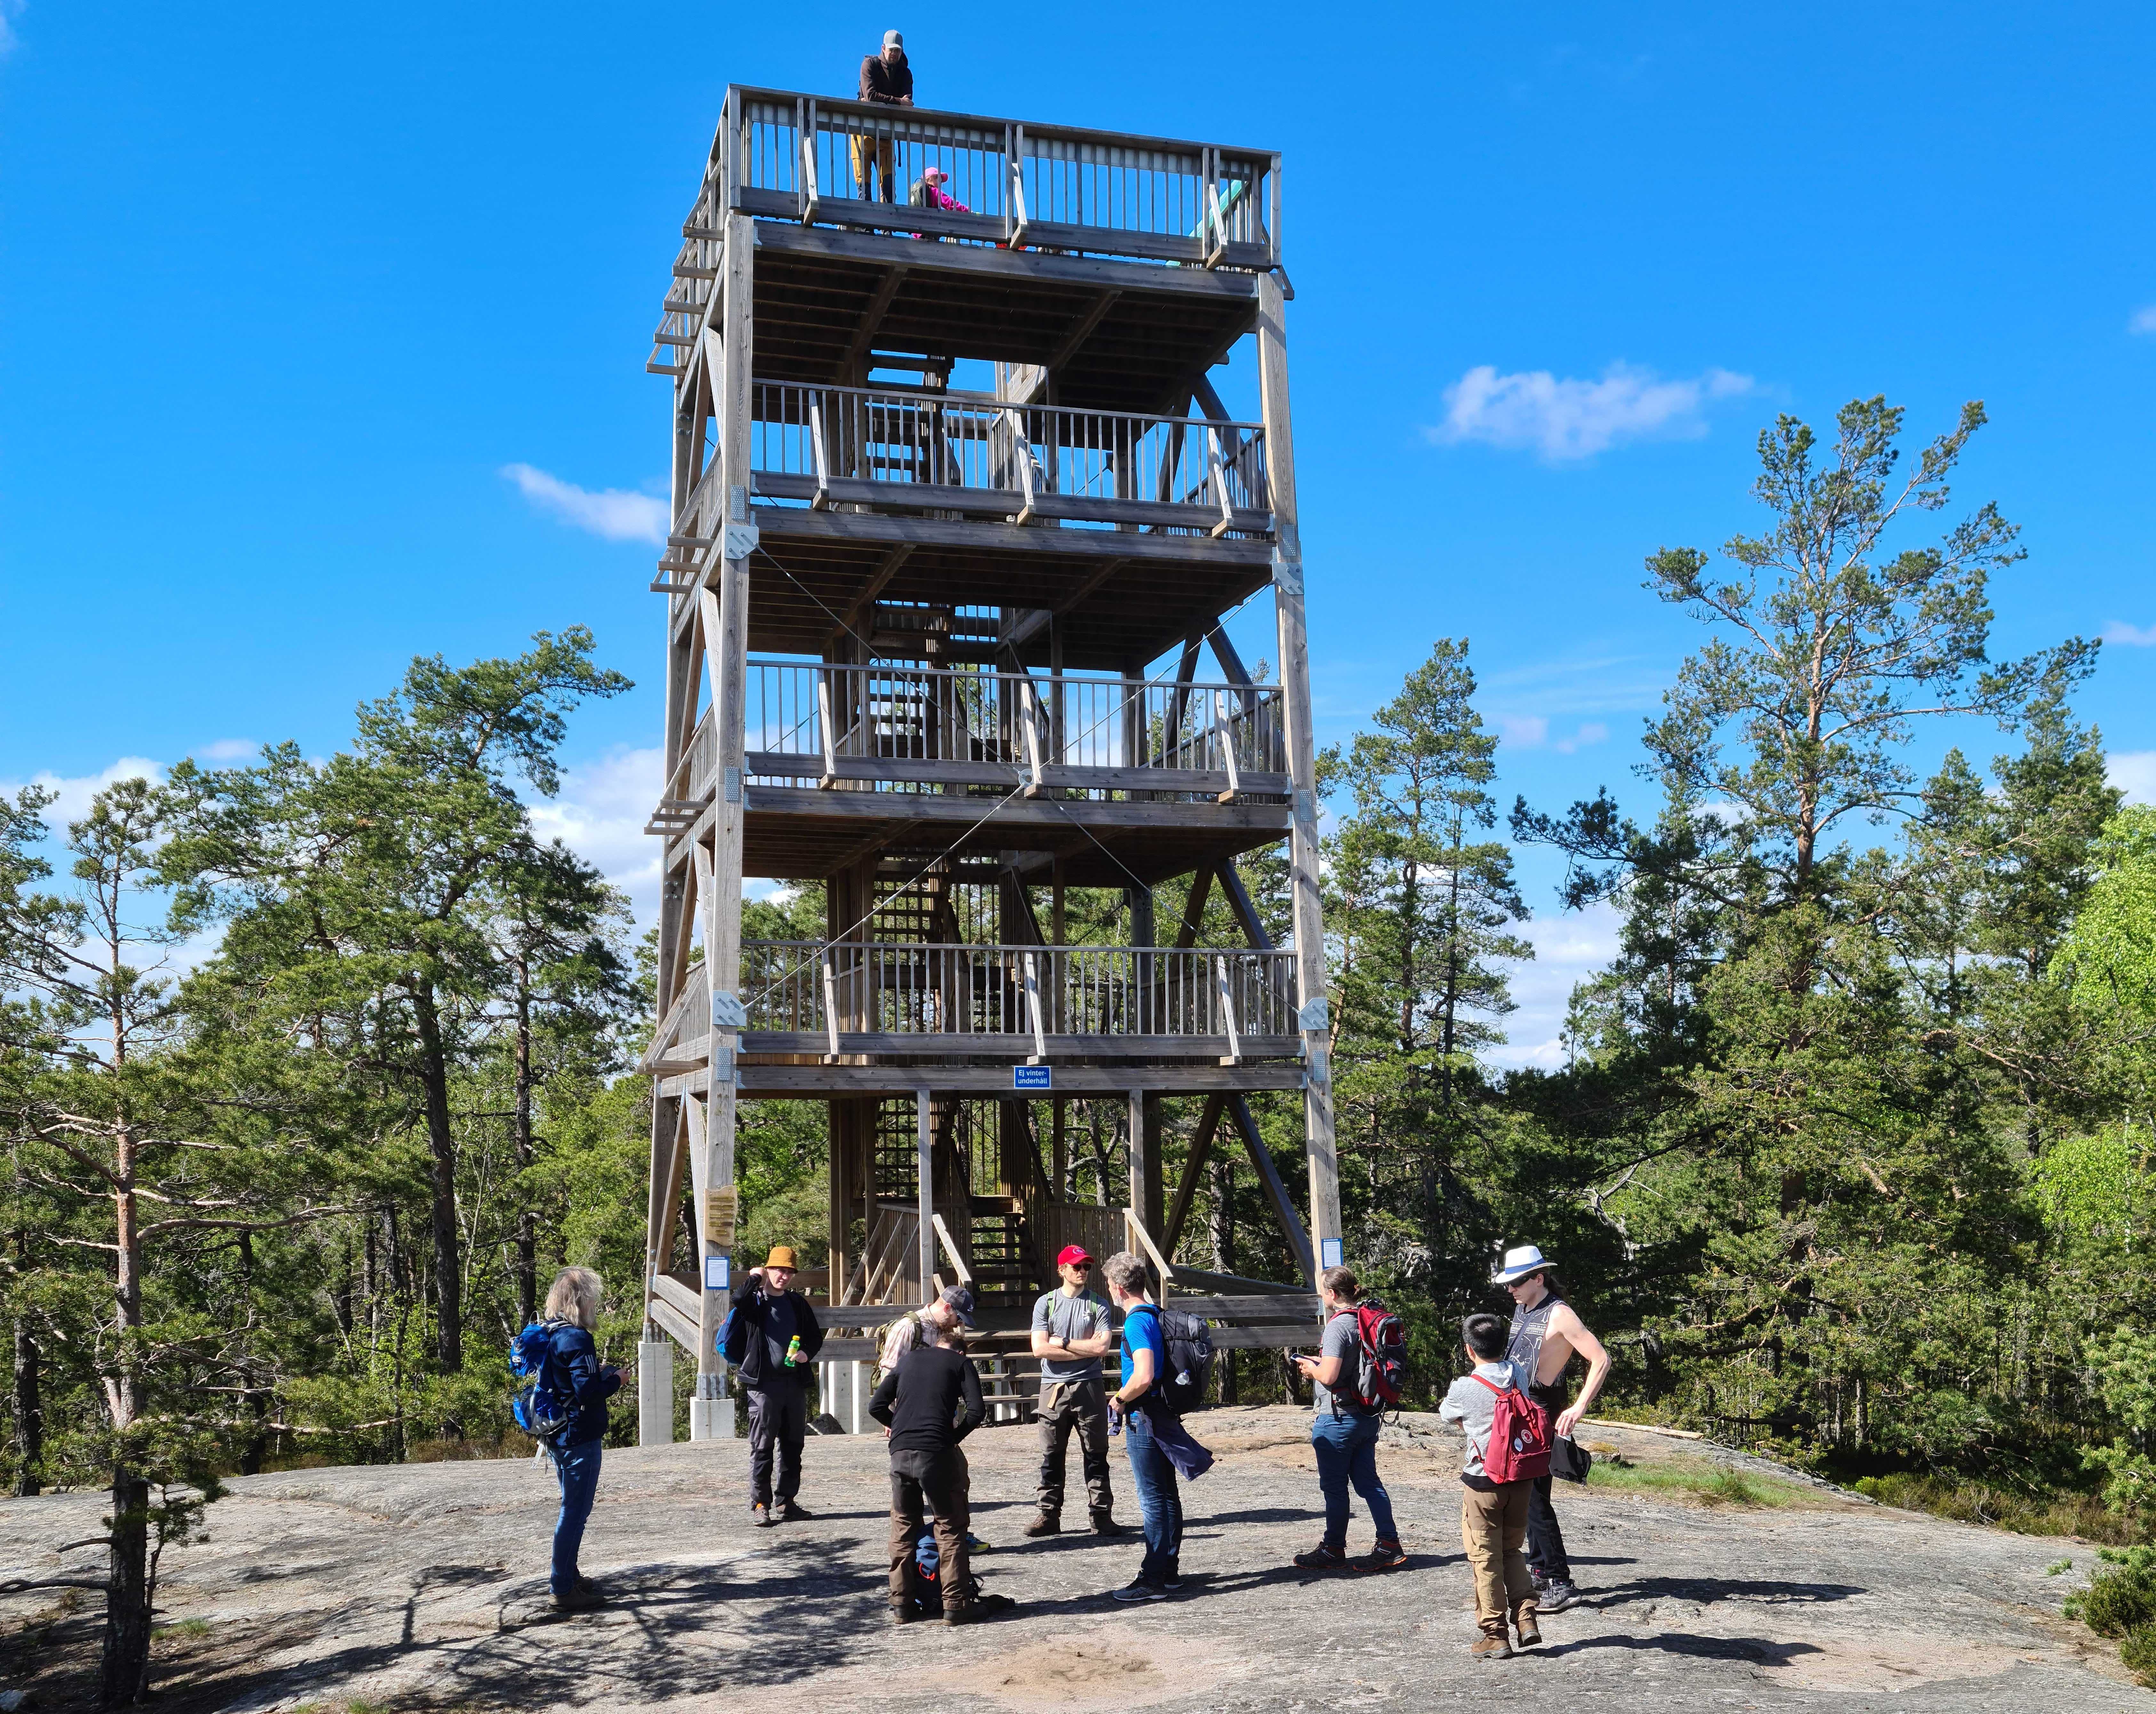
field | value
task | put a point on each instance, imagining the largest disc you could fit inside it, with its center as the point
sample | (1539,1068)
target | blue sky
(284,290)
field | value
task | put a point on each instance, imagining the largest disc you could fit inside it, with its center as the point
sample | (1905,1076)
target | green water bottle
(793,1352)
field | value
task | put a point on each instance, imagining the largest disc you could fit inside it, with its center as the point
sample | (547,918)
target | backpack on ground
(1381,1357)
(534,1406)
(1520,1437)
(1189,1343)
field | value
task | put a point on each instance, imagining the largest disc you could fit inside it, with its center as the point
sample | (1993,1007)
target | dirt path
(424,1587)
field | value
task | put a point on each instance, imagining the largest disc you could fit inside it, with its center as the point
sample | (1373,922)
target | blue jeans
(579,1469)
(1347,1447)
(1160,1501)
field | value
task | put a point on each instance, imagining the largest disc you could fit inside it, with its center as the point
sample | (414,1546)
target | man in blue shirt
(1145,1362)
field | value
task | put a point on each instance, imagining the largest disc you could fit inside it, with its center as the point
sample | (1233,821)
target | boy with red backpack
(1509,1435)
(1356,1377)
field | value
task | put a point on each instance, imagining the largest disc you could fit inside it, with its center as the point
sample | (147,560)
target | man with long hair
(1547,1335)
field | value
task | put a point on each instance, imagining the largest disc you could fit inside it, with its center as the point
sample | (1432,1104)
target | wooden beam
(917,807)
(985,534)
(1201,1151)
(1193,908)
(822,1082)
(1024,268)
(1083,331)
(871,320)
(879,581)
(1291,1222)
(1238,901)
(1086,589)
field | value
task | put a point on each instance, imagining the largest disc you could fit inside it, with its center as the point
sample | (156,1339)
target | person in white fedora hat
(1547,1335)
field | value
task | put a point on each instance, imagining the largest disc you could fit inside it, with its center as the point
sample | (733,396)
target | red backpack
(1381,1358)
(1520,1437)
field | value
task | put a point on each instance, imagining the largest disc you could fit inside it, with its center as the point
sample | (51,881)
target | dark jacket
(757,1333)
(889,85)
(573,1376)
(931,1401)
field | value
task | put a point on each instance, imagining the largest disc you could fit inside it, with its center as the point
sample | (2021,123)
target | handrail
(814,160)
(1134,1229)
(816,445)
(950,1247)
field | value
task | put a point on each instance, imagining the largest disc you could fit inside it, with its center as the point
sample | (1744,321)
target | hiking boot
(1139,1589)
(1491,1649)
(1555,1595)
(582,1598)
(793,1511)
(905,1615)
(1531,1632)
(1384,1557)
(979,1608)
(1046,1524)
(1324,1556)
(1104,1525)
(759,1514)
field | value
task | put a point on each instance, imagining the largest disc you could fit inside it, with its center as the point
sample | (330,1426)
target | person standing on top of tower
(1547,1335)
(887,80)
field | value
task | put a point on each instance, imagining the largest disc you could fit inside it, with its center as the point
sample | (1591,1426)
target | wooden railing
(823,446)
(935,724)
(856,997)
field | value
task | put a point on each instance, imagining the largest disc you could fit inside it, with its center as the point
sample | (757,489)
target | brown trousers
(1493,1528)
(942,1481)
(1082,1406)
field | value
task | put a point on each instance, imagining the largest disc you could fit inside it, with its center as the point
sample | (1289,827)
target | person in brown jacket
(887,80)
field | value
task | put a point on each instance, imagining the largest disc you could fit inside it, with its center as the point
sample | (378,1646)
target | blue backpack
(533,1404)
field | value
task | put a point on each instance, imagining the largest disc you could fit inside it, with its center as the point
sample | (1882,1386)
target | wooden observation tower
(958,512)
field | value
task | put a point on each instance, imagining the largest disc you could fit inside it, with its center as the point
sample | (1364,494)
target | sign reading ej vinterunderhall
(1033,1077)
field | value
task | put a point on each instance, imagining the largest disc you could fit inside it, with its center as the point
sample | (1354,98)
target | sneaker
(793,1511)
(1139,1589)
(979,1608)
(1384,1557)
(1491,1649)
(1555,1595)
(1324,1556)
(1104,1525)
(759,1514)
(1045,1524)
(582,1598)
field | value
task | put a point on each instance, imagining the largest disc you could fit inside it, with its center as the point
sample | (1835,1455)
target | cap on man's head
(961,1299)
(782,1256)
(891,39)
(1071,1253)
(1520,1261)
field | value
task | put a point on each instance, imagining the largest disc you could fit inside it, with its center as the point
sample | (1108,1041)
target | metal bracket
(742,540)
(727,1011)
(1313,1015)
(1287,574)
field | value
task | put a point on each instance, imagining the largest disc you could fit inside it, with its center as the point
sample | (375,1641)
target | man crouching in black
(927,1404)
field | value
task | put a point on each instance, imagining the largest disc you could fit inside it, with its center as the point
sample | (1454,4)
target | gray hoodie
(1474,1407)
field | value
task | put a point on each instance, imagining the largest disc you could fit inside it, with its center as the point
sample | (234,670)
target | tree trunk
(124,1676)
(29,1412)
(527,1243)
(441,1140)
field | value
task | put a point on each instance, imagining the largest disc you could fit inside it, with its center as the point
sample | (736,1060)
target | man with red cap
(1070,1336)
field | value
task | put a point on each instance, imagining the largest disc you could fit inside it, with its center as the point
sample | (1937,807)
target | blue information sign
(718,1272)
(1328,1253)
(1032,1077)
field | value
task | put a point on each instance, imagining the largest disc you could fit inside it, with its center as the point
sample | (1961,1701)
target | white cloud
(2130,636)
(1531,731)
(10,10)
(73,792)
(616,513)
(1572,418)
(599,813)
(2143,320)
(230,750)
(2134,772)
(1568,949)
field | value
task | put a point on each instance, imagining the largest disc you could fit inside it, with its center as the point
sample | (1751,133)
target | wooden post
(1139,1165)
(924,1155)
(1302,773)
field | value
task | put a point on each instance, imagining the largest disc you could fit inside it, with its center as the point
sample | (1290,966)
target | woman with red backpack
(1356,1378)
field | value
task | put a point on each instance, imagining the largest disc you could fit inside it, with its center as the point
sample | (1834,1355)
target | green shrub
(2138,1653)
(2120,1599)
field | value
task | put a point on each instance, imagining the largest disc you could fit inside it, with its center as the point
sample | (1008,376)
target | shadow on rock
(1753,1652)
(1706,1589)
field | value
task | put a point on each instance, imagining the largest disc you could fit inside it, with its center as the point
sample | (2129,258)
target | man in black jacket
(887,80)
(771,1340)
(929,1403)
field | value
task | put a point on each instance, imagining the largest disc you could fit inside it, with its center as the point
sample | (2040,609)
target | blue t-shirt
(1141,1328)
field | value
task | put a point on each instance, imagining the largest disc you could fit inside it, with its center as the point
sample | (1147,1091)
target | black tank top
(1530,1328)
